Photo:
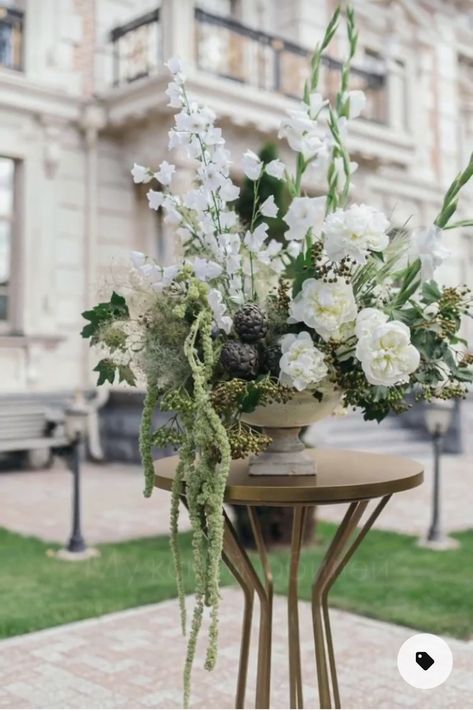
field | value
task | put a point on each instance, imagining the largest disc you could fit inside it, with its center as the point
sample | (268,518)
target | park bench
(30,426)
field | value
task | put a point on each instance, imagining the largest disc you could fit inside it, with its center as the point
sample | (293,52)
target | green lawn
(389,578)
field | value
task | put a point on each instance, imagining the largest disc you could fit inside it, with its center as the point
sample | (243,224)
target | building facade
(81,99)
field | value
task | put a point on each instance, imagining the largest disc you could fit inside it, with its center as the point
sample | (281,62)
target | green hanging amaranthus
(204,464)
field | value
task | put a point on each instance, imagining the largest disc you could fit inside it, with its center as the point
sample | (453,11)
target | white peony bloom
(302,365)
(269,208)
(140,173)
(430,250)
(224,322)
(165,173)
(304,213)
(387,355)
(275,168)
(155,199)
(367,320)
(354,232)
(325,307)
(252,165)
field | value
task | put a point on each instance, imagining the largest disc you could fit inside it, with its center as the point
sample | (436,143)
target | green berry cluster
(177,400)
(245,441)
(167,435)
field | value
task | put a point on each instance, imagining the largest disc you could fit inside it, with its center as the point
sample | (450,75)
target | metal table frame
(300,493)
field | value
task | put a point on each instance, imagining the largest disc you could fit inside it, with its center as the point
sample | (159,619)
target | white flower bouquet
(344,302)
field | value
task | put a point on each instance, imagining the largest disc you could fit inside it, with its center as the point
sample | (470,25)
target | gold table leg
(295,675)
(263,676)
(337,556)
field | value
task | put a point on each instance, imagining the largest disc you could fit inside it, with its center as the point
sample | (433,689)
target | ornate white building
(81,98)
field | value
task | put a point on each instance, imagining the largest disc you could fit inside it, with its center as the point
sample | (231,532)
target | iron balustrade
(11,38)
(229,49)
(136,48)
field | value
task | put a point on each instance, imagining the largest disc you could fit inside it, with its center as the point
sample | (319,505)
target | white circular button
(425,661)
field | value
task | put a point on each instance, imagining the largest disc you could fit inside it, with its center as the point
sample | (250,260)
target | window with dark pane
(7,182)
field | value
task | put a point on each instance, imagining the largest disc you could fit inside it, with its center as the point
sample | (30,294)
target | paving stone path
(133,659)
(38,503)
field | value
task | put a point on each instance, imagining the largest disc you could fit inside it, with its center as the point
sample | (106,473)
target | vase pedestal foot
(285,456)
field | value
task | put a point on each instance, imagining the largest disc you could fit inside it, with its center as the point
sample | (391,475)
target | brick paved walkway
(38,503)
(133,659)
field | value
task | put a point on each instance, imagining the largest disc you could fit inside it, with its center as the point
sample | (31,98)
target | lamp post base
(443,543)
(63,554)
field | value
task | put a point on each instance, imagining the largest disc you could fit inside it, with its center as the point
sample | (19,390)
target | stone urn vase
(286,455)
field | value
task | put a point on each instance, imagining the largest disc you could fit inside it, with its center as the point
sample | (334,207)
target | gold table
(342,477)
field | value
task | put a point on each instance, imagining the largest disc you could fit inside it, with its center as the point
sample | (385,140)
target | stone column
(178,30)
(396,94)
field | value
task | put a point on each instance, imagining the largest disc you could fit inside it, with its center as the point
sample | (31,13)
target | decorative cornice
(20,94)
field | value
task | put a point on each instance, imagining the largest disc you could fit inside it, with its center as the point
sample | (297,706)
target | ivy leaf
(115,309)
(126,374)
(106,369)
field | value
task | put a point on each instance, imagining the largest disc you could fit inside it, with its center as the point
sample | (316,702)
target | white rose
(304,213)
(302,365)
(367,320)
(325,307)
(427,245)
(354,232)
(387,355)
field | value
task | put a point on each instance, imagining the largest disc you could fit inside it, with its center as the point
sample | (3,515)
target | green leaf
(126,374)
(250,399)
(299,271)
(430,291)
(115,309)
(106,369)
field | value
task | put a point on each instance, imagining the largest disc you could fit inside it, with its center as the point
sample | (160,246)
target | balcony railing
(11,38)
(136,48)
(229,49)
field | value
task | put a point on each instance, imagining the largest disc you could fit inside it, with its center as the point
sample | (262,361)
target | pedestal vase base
(285,456)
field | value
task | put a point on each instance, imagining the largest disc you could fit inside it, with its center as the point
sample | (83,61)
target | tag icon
(424,660)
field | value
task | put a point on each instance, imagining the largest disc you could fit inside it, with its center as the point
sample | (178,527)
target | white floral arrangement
(344,302)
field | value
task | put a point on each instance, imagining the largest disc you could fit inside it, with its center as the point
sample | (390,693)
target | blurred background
(81,86)
(81,99)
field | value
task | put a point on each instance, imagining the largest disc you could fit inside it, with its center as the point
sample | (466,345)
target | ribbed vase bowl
(286,455)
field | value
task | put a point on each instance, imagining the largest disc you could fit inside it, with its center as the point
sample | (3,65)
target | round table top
(342,476)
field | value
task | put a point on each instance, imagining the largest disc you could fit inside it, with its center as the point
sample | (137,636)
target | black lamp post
(438,418)
(75,425)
